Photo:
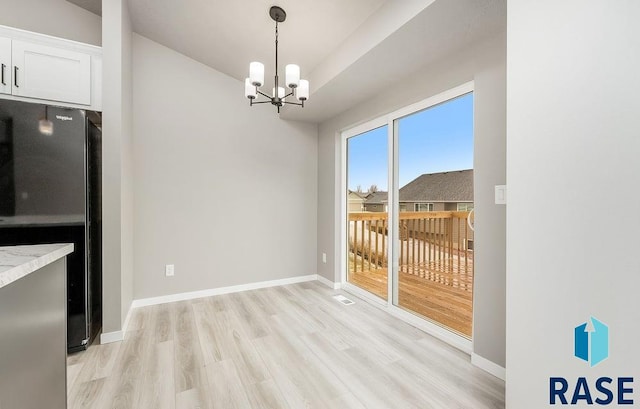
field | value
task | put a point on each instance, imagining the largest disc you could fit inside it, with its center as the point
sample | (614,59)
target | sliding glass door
(367,241)
(408,210)
(435,196)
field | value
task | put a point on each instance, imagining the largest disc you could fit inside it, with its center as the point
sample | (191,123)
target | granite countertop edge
(17,262)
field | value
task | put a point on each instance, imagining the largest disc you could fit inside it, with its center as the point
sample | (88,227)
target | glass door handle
(469,220)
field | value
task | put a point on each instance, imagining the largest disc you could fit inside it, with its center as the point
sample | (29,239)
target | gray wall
(489,162)
(573,141)
(486,65)
(224,191)
(57,18)
(127,178)
(117,189)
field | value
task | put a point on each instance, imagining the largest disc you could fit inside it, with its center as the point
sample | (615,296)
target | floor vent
(343,299)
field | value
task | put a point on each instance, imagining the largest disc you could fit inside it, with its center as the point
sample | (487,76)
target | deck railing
(435,245)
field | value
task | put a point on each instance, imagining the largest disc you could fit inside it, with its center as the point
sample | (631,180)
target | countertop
(43,220)
(19,261)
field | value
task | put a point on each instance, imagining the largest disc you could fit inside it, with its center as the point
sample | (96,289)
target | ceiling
(94,6)
(228,35)
(349,49)
(437,31)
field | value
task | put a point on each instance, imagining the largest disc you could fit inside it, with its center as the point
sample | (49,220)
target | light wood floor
(283,347)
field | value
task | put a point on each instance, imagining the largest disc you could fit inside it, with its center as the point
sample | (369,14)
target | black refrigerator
(50,192)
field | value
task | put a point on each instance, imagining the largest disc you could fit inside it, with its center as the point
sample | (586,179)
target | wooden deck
(438,301)
(436,264)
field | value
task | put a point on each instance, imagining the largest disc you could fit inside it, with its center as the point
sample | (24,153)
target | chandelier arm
(288,95)
(261,102)
(263,94)
(293,103)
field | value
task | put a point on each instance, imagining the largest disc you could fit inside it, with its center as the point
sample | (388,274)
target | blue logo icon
(592,341)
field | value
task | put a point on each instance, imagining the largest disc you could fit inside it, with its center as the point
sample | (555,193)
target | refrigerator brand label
(64,118)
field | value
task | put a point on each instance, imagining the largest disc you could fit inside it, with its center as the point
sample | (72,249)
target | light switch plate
(169,270)
(501,194)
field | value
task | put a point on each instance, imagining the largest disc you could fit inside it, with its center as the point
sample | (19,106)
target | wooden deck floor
(443,294)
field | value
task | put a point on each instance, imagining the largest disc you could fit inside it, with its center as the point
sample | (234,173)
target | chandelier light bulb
(292,75)
(280,92)
(256,73)
(303,90)
(249,89)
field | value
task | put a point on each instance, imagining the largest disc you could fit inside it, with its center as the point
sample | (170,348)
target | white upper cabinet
(5,66)
(49,70)
(51,73)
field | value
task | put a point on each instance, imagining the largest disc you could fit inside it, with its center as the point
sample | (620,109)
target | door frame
(391,121)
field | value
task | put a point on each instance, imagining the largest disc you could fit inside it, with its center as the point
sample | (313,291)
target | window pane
(367,175)
(435,263)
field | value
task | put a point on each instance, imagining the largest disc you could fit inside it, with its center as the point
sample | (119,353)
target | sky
(437,139)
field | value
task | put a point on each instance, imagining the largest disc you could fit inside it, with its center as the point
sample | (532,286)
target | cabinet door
(5,66)
(51,73)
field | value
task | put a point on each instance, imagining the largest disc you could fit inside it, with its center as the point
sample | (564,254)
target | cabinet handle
(3,67)
(15,77)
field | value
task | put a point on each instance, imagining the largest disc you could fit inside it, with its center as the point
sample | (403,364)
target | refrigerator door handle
(15,76)
(3,67)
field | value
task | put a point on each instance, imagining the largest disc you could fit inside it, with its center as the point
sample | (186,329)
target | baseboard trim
(109,337)
(127,319)
(144,302)
(116,336)
(488,366)
(328,283)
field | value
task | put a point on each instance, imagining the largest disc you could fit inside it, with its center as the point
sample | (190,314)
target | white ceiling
(440,29)
(94,6)
(350,50)
(228,35)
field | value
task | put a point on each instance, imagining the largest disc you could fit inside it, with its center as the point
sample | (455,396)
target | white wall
(224,191)
(117,188)
(57,18)
(485,64)
(573,137)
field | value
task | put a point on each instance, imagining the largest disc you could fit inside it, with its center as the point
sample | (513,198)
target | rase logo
(591,344)
(591,341)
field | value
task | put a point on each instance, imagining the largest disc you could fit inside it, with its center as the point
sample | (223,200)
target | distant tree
(372,189)
(359,189)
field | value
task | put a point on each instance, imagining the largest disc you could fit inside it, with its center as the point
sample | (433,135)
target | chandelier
(299,89)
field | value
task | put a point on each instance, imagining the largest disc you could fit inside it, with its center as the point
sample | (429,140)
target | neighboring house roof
(455,186)
(376,198)
(358,195)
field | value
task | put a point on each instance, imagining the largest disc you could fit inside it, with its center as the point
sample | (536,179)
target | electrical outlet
(169,270)
(501,194)
(324,257)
